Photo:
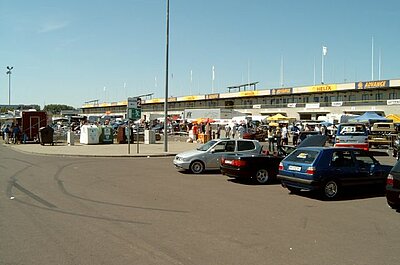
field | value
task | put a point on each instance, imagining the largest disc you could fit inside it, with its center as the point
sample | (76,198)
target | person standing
(270,134)
(6,134)
(208,132)
(241,131)
(295,133)
(16,132)
(234,128)
(285,135)
(218,131)
(278,137)
(227,130)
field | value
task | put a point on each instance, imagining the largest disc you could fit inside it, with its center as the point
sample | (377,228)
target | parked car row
(311,166)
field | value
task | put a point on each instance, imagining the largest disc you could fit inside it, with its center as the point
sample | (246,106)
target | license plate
(295,168)
(229,162)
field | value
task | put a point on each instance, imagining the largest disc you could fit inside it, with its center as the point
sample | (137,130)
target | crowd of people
(12,134)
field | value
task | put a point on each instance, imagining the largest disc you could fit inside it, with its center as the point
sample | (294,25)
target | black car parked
(393,187)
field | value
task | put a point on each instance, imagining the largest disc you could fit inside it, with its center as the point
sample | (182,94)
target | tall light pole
(166,85)
(9,68)
(324,52)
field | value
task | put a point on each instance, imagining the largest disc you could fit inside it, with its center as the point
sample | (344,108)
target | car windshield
(207,145)
(352,130)
(396,167)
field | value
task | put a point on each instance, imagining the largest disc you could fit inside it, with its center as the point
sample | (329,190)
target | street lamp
(166,84)
(9,68)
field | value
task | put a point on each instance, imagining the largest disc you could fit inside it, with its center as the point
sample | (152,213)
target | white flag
(324,50)
(213,73)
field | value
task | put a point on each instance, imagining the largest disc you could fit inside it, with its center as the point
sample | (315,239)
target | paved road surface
(78,210)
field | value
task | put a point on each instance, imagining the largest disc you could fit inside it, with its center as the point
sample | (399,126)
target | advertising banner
(372,84)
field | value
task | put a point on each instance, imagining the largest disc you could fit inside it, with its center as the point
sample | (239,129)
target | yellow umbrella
(394,117)
(278,117)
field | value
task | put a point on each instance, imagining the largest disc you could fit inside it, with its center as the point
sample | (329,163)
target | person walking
(16,131)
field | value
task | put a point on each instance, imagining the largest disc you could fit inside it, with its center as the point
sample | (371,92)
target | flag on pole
(213,73)
(324,50)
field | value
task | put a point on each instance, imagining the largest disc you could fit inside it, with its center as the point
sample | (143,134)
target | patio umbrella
(203,120)
(273,124)
(278,117)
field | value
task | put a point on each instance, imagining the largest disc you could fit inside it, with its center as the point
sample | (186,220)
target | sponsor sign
(337,103)
(258,106)
(393,102)
(248,93)
(189,98)
(322,88)
(291,105)
(281,91)
(172,99)
(372,84)
(212,96)
(312,106)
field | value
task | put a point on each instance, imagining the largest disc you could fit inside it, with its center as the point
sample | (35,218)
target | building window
(393,95)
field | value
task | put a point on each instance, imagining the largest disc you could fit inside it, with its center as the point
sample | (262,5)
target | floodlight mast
(9,68)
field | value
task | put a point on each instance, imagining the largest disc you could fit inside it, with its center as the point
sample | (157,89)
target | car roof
(319,148)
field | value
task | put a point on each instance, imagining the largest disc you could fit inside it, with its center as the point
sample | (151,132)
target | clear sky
(69,52)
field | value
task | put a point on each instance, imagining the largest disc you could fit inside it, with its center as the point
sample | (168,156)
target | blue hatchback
(329,169)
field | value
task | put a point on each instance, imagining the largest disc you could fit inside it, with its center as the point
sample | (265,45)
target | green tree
(57,108)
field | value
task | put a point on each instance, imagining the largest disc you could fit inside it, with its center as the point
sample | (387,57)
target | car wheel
(330,189)
(393,205)
(262,176)
(293,190)
(197,167)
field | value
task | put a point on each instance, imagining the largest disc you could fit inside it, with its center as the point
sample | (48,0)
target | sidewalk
(105,150)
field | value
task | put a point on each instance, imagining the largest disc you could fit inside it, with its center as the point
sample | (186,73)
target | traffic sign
(134,114)
(134,103)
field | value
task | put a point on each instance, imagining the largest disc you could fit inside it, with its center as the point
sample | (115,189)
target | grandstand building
(302,103)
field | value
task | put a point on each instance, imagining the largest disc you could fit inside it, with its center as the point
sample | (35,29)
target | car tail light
(238,163)
(389,180)
(280,166)
(222,160)
(310,170)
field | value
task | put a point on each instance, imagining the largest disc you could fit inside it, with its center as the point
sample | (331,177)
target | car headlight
(183,159)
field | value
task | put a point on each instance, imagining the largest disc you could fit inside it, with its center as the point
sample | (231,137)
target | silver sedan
(208,156)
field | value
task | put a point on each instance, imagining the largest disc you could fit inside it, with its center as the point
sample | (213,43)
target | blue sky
(69,52)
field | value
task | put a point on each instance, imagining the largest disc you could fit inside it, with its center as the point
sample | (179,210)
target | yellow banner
(248,93)
(322,88)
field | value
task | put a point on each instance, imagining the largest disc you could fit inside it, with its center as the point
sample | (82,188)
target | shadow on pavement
(348,194)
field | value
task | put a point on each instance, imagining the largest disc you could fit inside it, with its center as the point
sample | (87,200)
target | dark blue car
(330,169)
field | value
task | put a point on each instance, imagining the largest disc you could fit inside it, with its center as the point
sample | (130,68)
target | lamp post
(166,84)
(9,68)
